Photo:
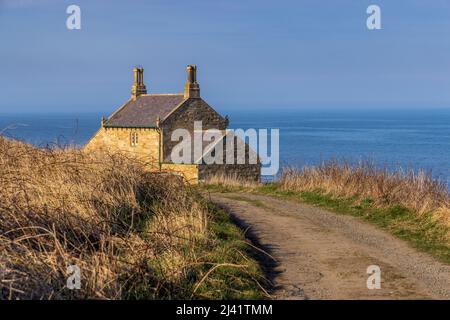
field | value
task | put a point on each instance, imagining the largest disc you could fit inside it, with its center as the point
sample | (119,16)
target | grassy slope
(133,234)
(227,269)
(422,232)
(231,246)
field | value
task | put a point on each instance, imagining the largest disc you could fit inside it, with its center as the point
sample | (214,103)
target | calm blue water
(408,139)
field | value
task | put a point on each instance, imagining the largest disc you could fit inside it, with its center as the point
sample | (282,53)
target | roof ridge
(162,94)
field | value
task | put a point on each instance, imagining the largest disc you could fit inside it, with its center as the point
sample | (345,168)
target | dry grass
(133,234)
(419,192)
(232,181)
(412,206)
(339,183)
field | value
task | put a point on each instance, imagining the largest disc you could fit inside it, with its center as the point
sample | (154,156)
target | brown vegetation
(231,181)
(419,192)
(133,234)
(361,184)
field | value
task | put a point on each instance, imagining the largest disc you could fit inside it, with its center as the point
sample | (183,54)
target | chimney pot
(191,88)
(138,87)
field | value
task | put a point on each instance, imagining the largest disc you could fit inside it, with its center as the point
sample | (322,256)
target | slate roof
(208,146)
(144,111)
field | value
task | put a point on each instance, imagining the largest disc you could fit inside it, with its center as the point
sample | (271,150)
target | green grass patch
(230,246)
(225,268)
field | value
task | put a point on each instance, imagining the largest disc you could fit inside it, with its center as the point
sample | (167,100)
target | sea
(396,139)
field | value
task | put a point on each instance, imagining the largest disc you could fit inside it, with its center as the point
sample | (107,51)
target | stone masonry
(143,126)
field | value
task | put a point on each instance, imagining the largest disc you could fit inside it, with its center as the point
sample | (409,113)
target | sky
(250,54)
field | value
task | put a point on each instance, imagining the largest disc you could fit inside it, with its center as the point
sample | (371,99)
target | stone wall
(150,151)
(184,117)
(119,140)
(188,171)
(245,171)
(250,172)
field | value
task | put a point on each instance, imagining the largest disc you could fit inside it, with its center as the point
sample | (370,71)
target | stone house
(143,127)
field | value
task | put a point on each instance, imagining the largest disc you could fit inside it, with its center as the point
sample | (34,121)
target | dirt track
(323,255)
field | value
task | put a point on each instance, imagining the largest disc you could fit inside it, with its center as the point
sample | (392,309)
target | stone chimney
(191,88)
(138,87)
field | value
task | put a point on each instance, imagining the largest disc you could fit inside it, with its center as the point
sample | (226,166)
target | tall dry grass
(417,191)
(232,181)
(132,234)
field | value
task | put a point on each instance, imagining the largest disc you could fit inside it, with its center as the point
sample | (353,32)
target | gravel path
(323,255)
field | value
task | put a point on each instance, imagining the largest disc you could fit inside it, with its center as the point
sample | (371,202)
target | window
(134,138)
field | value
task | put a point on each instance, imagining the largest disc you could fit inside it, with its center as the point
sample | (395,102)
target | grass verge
(224,267)
(422,231)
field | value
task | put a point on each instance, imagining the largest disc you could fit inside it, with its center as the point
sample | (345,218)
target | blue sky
(251,54)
